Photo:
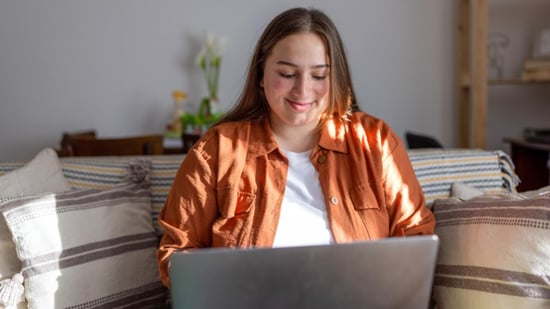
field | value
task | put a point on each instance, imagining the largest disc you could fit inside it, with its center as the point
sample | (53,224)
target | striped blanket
(438,169)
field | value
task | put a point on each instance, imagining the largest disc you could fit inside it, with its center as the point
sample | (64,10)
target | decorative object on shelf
(538,68)
(541,49)
(209,60)
(174,128)
(537,135)
(496,42)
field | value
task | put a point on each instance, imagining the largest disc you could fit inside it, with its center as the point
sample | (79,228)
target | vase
(209,110)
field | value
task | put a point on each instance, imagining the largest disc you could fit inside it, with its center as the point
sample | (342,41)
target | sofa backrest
(436,170)
(104,172)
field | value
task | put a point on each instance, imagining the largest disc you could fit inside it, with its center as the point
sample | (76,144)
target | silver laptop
(387,273)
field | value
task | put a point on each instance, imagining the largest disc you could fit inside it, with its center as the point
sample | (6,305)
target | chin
(303,122)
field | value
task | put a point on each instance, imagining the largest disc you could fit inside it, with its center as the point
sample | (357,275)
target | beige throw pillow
(494,252)
(42,174)
(464,191)
(87,248)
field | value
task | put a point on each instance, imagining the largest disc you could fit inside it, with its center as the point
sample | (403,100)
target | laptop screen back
(388,273)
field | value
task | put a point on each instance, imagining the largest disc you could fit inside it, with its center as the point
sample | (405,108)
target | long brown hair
(252,103)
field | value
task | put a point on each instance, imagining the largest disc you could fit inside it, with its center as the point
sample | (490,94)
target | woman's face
(296,81)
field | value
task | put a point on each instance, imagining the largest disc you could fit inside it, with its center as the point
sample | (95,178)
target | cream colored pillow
(42,174)
(464,191)
(87,248)
(494,251)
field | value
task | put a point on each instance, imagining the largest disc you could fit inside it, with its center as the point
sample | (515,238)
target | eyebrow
(317,66)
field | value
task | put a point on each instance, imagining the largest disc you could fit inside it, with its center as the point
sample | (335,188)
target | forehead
(306,46)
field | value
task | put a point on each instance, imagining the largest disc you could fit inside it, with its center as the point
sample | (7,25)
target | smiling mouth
(298,106)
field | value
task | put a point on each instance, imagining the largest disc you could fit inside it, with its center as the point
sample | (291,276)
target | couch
(82,231)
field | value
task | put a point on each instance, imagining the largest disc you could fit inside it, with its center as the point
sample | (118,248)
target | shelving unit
(472,70)
(472,73)
(516,82)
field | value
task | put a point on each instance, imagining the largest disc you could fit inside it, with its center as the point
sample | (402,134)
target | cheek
(274,85)
(279,84)
(322,88)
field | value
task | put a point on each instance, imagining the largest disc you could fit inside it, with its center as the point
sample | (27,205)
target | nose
(301,86)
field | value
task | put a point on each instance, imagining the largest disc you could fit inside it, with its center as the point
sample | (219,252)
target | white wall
(69,65)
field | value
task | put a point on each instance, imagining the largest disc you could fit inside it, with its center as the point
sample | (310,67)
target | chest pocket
(232,228)
(368,196)
(232,202)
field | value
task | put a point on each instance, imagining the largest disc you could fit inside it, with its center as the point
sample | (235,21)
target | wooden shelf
(472,32)
(465,82)
(472,76)
(516,82)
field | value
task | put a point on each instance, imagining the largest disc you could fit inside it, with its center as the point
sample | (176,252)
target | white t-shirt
(303,219)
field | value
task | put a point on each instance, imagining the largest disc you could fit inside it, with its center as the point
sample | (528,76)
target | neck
(295,139)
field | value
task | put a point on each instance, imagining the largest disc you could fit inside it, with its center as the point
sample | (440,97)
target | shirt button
(322,159)
(334,200)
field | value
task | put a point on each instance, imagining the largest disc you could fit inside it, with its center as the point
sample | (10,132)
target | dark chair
(189,140)
(87,144)
(66,149)
(416,140)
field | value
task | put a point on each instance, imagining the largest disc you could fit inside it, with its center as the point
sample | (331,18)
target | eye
(320,74)
(286,75)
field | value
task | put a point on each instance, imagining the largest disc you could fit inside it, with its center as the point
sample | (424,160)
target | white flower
(209,60)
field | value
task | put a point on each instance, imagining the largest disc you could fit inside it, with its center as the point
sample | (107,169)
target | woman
(294,163)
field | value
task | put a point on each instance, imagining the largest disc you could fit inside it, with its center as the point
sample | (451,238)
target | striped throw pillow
(87,248)
(494,252)
(164,169)
(106,172)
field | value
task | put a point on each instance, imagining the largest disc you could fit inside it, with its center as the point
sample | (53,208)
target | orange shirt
(229,188)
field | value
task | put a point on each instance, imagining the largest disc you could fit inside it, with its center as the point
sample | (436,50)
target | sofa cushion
(94,172)
(106,172)
(162,175)
(494,251)
(41,174)
(87,247)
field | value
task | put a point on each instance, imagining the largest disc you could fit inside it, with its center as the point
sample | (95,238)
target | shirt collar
(333,136)
(262,141)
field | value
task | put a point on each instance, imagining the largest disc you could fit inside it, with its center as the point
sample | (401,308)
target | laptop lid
(387,273)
